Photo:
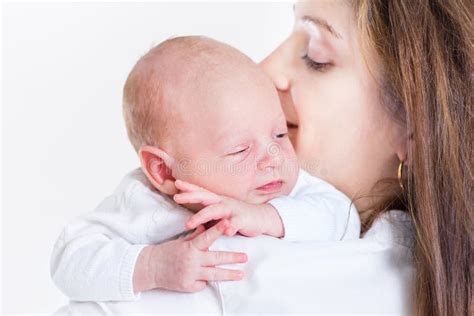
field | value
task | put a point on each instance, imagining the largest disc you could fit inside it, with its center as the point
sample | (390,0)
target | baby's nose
(272,158)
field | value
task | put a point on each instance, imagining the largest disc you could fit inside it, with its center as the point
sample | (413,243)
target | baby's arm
(185,264)
(122,248)
(317,217)
(248,219)
(315,211)
(94,261)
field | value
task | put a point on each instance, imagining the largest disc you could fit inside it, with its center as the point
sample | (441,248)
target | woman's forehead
(333,17)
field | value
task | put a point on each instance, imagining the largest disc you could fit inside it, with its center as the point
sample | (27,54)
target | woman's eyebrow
(323,23)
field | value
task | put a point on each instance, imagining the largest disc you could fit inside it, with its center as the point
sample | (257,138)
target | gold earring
(400,174)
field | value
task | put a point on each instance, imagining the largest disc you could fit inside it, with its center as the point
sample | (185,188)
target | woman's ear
(402,149)
(157,166)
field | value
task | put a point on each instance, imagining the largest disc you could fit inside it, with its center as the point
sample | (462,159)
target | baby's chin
(256,197)
(264,199)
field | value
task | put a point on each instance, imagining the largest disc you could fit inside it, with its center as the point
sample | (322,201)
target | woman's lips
(291,125)
(292,132)
(271,187)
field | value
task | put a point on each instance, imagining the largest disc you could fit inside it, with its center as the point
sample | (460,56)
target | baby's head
(200,111)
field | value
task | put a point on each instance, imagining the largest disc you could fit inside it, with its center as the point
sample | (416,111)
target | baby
(212,138)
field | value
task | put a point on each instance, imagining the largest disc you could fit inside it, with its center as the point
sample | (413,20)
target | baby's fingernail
(240,275)
(243,258)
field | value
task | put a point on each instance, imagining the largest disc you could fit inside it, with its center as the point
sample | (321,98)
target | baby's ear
(157,164)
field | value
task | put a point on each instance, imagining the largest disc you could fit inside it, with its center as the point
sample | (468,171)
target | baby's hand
(247,219)
(186,264)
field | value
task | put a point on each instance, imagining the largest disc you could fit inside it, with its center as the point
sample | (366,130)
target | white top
(94,258)
(372,275)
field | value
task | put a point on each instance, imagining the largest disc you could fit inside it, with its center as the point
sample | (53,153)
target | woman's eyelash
(282,135)
(314,65)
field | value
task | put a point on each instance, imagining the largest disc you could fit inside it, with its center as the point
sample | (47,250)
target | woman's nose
(274,65)
(279,66)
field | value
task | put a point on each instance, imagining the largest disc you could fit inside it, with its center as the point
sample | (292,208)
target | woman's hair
(425,49)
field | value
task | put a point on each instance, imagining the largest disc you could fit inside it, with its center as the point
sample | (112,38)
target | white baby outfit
(94,257)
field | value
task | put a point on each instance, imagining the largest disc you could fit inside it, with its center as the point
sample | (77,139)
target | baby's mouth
(271,187)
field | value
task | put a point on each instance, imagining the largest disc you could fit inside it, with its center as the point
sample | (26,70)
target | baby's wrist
(273,222)
(144,274)
(156,272)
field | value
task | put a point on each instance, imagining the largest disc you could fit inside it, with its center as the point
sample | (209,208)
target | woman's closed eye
(315,65)
(282,135)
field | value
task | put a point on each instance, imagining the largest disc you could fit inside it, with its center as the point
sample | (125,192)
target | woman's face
(338,127)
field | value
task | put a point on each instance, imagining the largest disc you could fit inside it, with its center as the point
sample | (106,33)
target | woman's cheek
(305,139)
(304,104)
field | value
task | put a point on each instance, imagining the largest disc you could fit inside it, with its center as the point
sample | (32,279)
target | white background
(64,143)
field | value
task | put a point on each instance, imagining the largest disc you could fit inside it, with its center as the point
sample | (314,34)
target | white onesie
(95,255)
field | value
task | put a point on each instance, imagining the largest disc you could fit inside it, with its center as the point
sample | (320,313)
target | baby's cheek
(291,168)
(233,182)
(245,183)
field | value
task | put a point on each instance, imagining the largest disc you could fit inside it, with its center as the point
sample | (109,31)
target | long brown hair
(425,48)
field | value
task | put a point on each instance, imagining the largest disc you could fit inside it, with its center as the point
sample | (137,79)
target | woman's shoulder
(318,276)
(393,227)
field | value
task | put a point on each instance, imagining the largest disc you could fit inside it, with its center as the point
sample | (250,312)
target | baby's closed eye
(239,151)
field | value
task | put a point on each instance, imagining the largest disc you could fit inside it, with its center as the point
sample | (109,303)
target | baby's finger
(201,197)
(234,227)
(231,231)
(218,274)
(196,232)
(187,187)
(214,258)
(216,211)
(204,240)
(198,286)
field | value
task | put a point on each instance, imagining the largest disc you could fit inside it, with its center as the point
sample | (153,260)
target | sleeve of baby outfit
(317,212)
(95,255)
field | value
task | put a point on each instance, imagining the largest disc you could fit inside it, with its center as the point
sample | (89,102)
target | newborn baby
(210,133)
(213,119)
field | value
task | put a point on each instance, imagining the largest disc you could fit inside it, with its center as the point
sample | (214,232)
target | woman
(378,98)
(375,90)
